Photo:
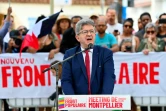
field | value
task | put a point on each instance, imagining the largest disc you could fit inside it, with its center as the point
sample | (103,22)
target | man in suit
(90,72)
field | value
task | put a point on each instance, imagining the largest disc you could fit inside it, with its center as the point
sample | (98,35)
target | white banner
(23,77)
(94,102)
(136,75)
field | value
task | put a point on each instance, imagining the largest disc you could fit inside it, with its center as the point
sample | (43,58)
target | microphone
(90,46)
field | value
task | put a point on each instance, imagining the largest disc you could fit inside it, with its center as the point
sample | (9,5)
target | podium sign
(94,102)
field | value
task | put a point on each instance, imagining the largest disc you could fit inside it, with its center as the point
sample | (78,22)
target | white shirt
(117,26)
(90,58)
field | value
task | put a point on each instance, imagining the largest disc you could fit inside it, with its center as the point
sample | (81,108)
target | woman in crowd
(127,41)
(150,42)
(162,27)
(62,24)
(49,43)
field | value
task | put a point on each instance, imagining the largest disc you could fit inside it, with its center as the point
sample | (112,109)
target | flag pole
(51,7)
(9,2)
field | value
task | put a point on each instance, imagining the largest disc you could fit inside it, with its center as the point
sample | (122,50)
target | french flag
(40,29)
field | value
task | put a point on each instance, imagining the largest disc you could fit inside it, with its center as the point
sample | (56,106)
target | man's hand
(9,11)
(146,51)
(11,43)
(150,39)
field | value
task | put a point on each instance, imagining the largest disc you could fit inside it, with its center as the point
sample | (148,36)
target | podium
(94,102)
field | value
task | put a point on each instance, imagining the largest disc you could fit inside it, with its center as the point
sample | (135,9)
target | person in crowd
(62,24)
(49,43)
(15,42)
(12,23)
(7,23)
(69,39)
(140,26)
(94,17)
(127,41)
(145,19)
(162,27)
(22,30)
(112,25)
(104,39)
(20,33)
(150,43)
(86,74)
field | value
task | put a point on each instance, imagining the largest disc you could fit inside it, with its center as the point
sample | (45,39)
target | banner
(94,102)
(136,75)
(23,77)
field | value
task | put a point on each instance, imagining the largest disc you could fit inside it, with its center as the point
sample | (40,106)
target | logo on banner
(61,103)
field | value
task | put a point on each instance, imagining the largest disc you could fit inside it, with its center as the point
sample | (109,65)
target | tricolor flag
(40,29)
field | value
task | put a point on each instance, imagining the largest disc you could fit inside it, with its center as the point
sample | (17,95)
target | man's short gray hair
(83,22)
(151,25)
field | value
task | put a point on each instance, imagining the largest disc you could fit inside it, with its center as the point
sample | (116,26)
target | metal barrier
(142,101)
(41,102)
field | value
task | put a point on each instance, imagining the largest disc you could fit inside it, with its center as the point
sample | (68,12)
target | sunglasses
(148,32)
(127,26)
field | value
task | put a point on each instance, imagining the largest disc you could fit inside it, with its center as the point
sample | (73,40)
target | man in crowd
(105,39)
(145,19)
(94,17)
(6,24)
(112,25)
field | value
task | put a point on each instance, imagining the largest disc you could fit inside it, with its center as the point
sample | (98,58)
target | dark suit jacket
(68,40)
(74,78)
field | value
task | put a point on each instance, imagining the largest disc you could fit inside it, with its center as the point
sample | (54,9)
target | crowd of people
(151,36)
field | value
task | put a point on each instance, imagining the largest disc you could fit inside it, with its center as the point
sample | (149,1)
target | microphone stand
(57,91)
(55,66)
(60,62)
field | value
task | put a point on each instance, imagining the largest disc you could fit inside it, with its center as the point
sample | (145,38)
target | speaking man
(91,71)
